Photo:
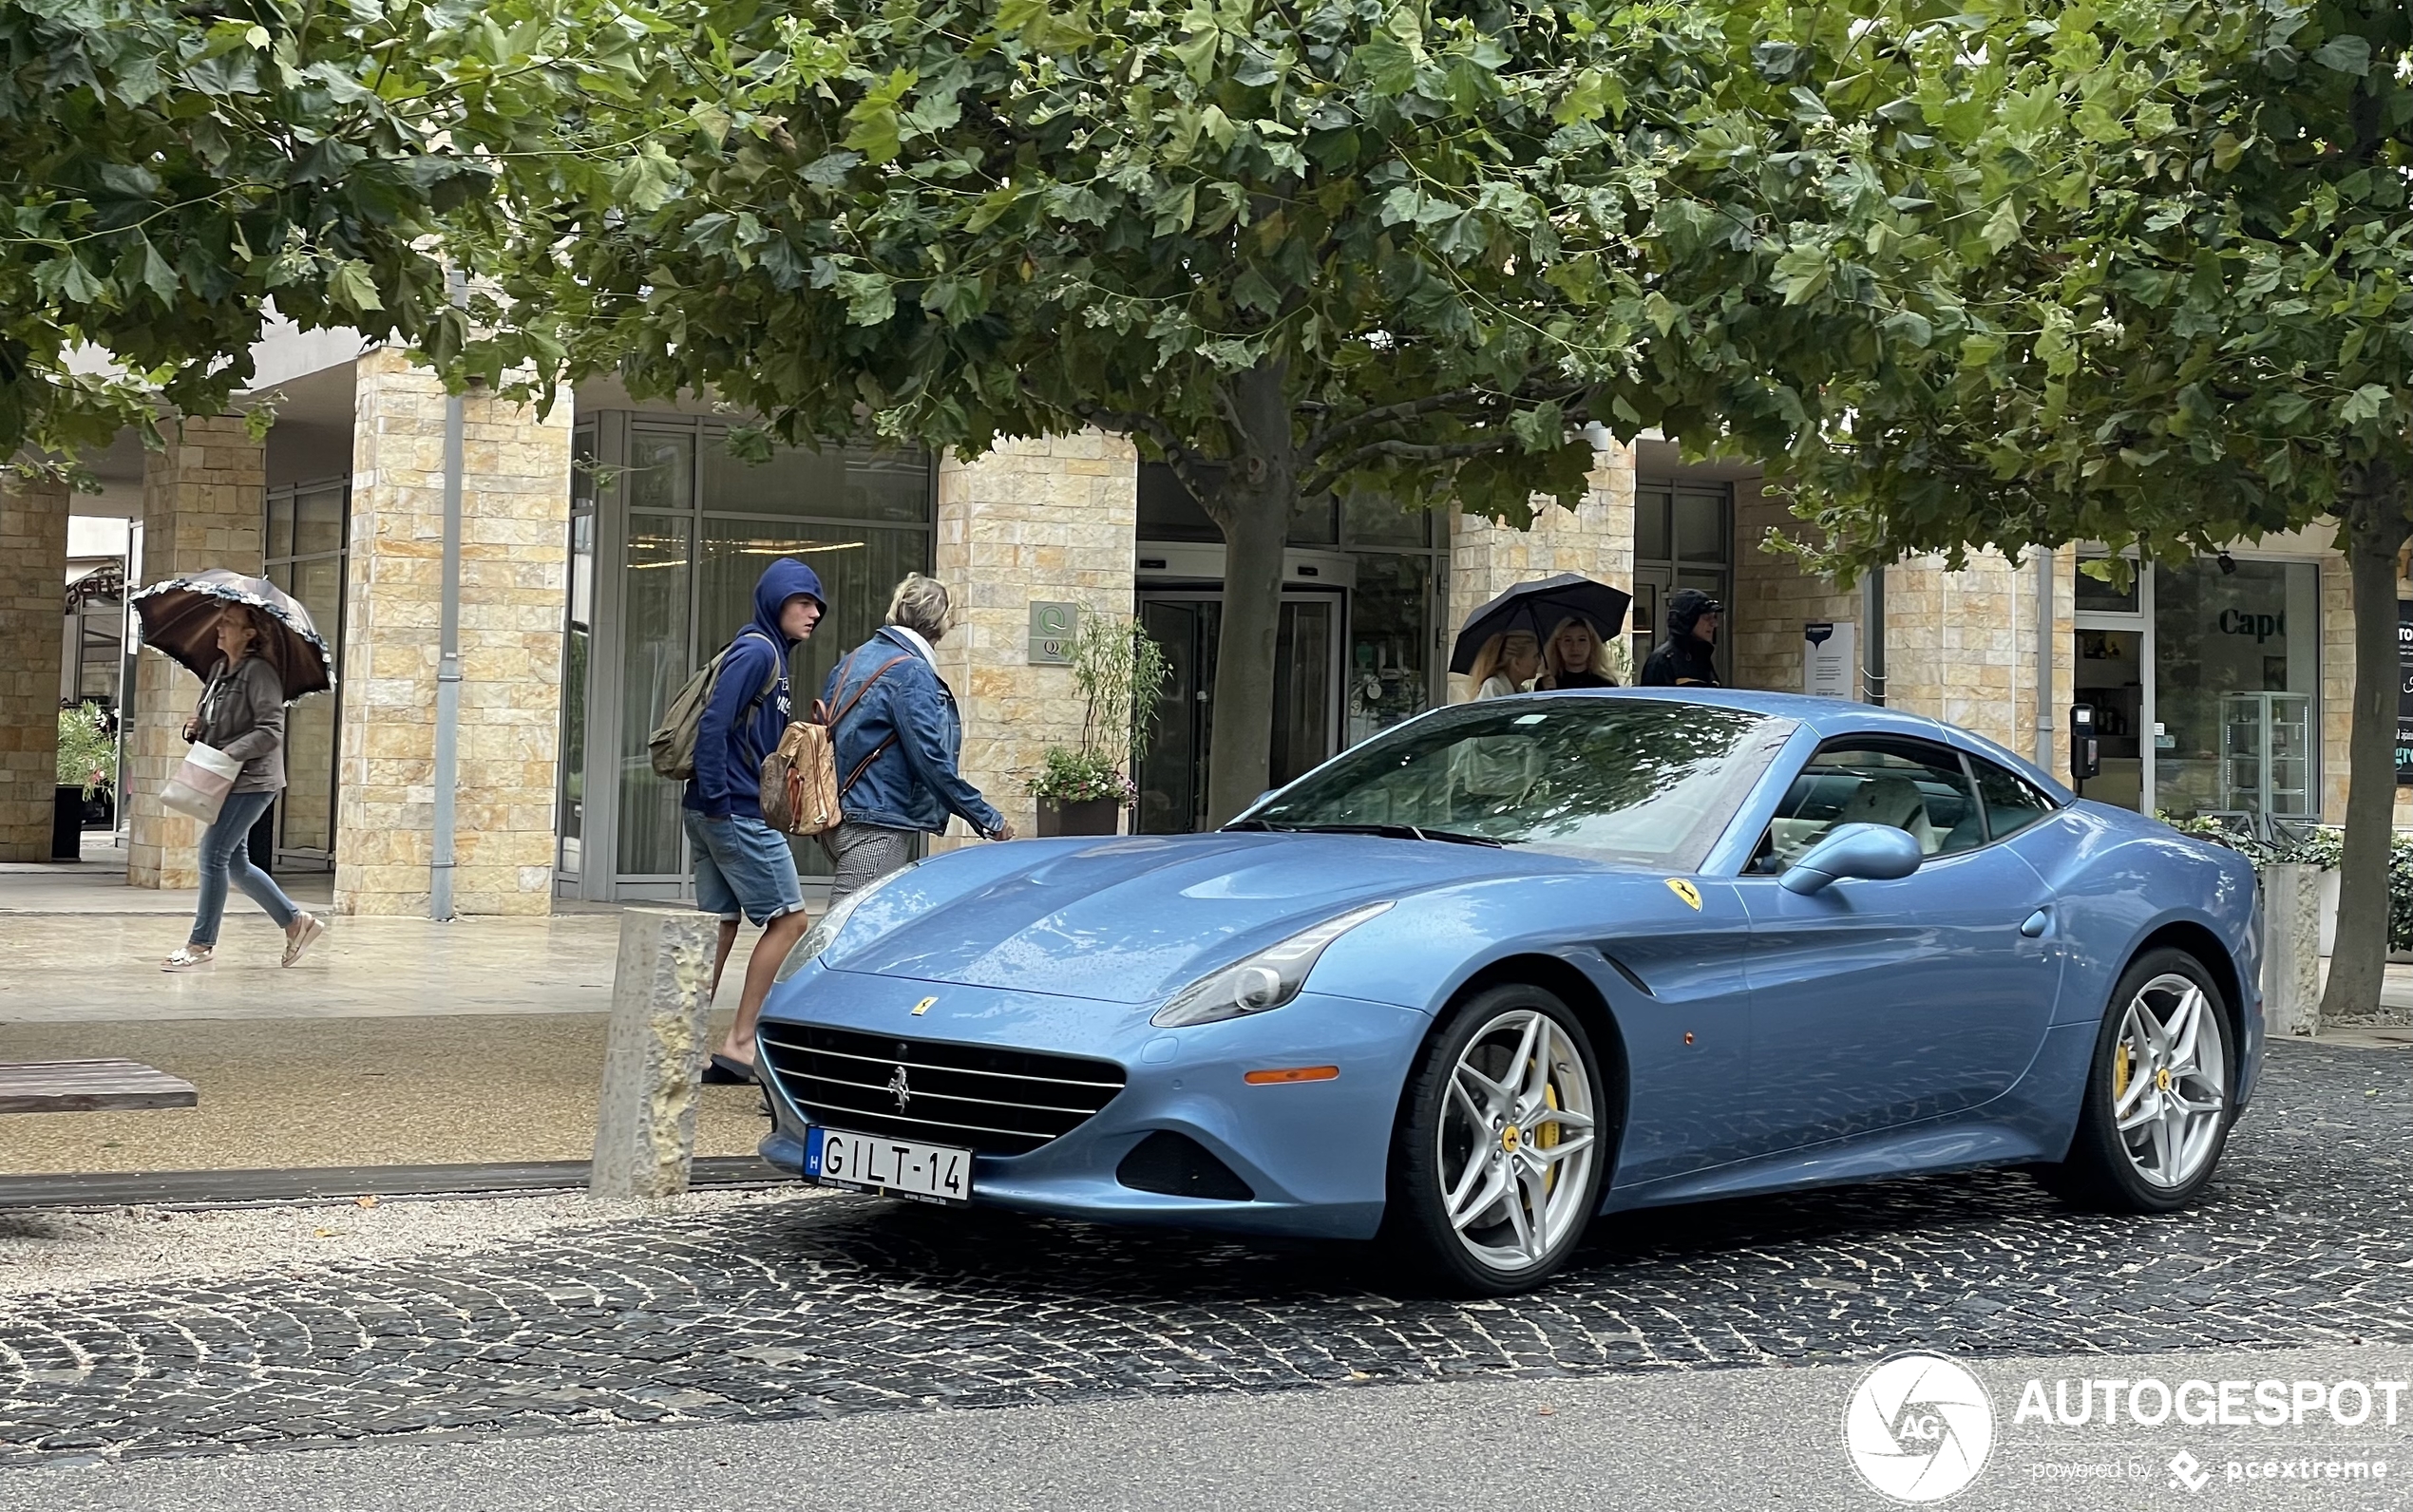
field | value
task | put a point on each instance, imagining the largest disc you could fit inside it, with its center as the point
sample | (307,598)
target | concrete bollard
(645,1124)
(2291,949)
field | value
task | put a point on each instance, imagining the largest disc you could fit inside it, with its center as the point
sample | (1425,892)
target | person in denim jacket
(900,745)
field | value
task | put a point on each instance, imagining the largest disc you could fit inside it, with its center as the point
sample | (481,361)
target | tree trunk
(1253,509)
(2374,530)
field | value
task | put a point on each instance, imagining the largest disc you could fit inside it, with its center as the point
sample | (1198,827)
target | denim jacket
(913,784)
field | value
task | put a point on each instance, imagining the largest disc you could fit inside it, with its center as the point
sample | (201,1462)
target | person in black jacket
(1687,657)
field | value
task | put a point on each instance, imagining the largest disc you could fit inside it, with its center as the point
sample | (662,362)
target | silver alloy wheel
(2169,1081)
(1517,1141)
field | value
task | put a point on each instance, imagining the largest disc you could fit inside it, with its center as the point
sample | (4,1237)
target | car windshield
(1646,781)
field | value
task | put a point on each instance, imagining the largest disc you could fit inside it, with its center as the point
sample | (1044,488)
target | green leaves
(872,127)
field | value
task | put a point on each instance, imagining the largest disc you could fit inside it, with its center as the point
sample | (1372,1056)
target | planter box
(66,824)
(1094,815)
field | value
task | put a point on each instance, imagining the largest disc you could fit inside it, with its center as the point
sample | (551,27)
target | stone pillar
(33,556)
(2291,949)
(1033,520)
(1596,538)
(203,499)
(662,1004)
(514,596)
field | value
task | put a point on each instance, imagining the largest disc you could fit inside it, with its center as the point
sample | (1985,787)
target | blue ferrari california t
(1514,964)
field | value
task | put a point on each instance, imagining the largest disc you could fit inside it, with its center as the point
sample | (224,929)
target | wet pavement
(830,1306)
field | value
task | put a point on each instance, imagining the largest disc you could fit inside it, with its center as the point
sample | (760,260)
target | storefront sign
(1828,669)
(2403,694)
(1054,627)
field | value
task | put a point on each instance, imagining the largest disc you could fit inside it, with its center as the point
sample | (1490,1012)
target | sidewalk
(398,1041)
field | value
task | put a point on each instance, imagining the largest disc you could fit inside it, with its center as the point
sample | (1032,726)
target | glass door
(1172,769)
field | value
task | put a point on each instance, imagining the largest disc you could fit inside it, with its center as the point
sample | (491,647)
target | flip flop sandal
(722,1072)
(187,958)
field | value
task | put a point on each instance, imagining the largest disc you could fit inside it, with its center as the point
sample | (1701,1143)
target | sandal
(723,1071)
(189,958)
(311,927)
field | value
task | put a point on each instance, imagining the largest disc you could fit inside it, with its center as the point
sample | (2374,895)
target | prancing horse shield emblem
(899,1089)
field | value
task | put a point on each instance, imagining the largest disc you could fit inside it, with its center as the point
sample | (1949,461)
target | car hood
(1131,919)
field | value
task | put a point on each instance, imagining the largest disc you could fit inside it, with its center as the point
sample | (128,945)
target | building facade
(609,548)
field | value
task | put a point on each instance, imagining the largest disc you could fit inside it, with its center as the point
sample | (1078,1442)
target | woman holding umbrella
(255,653)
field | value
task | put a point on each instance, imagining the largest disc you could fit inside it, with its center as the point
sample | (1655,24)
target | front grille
(994,1101)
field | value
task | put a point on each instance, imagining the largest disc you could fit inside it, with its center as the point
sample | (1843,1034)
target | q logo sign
(1918,1427)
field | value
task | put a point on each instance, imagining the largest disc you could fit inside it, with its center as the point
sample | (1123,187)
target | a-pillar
(1032,522)
(515,506)
(203,496)
(33,556)
(1596,538)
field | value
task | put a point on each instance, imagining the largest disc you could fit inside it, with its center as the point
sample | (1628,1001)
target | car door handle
(2037,923)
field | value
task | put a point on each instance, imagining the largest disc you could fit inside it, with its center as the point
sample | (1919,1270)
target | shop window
(2236,687)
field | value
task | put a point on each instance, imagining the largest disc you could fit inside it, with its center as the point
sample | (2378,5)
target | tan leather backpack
(801,794)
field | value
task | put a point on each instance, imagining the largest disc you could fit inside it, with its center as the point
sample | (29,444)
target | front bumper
(1316,1154)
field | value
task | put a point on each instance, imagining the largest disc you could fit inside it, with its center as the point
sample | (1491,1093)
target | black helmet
(1686,606)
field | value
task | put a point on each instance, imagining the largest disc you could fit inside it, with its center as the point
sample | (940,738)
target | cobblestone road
(851,1305)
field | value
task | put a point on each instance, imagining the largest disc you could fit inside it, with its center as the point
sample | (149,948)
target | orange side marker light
(1292,1073)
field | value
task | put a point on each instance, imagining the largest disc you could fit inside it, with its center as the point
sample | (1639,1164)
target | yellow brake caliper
(1547,1136)
(2120,1072)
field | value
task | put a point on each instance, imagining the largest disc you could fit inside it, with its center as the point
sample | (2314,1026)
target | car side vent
(1177,1166)
(1627,973)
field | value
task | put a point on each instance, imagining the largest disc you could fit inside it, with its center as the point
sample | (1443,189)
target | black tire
(1416,1226)
(2099,1173)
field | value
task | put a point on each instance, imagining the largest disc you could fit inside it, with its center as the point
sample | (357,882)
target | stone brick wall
(33,556)
(203,497)
(1596,538)
(514,577)
(1048,521)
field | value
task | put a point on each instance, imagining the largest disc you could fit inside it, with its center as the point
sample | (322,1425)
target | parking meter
(2086,758)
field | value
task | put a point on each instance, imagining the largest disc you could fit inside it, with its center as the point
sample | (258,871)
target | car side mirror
(1879,853)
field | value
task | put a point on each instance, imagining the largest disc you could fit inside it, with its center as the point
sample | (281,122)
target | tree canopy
(172,171)
(1288,251)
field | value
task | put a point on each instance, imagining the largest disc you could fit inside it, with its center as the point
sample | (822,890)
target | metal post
(1873,637)
(2045,660)
(448,651)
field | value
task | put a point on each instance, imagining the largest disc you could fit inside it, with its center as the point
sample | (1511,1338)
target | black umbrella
(1537,607)
(180,616)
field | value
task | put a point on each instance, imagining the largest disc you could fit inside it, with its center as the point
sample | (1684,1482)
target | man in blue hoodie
(742,864)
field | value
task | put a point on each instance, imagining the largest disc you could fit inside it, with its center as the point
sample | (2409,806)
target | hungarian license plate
(926,1173)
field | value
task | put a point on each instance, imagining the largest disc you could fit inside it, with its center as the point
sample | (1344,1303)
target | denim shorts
(742,863)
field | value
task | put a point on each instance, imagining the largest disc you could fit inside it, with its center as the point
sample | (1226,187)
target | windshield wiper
(1386,831)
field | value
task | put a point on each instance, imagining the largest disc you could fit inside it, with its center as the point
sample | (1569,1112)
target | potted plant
(1121,673)
(88,763)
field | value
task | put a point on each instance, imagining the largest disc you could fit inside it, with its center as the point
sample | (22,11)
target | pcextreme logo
(1918,1427)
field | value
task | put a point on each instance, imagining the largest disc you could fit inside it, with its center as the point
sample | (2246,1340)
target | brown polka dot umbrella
(179,617)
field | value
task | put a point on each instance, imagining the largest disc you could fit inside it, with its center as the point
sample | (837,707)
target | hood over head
(781,580)
(1686,606)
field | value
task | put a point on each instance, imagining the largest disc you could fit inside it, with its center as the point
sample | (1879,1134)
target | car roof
(1826,718)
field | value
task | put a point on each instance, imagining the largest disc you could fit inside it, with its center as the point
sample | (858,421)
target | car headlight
(1265,980)
(824,934)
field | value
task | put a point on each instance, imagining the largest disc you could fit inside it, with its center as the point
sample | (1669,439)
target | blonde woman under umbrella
(1506,664)
(1575,656)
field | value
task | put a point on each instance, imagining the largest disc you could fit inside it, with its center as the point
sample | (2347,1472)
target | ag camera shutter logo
(1918,1427)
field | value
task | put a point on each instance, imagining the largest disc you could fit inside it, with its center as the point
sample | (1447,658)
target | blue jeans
(226,853)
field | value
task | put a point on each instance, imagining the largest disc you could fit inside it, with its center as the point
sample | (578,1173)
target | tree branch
(1314,446)
(1199,473)
(1332,472)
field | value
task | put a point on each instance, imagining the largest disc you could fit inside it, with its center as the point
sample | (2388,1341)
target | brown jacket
(242,714)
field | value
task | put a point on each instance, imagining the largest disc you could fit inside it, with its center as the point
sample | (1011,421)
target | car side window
(2012,803)
(1910,785)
